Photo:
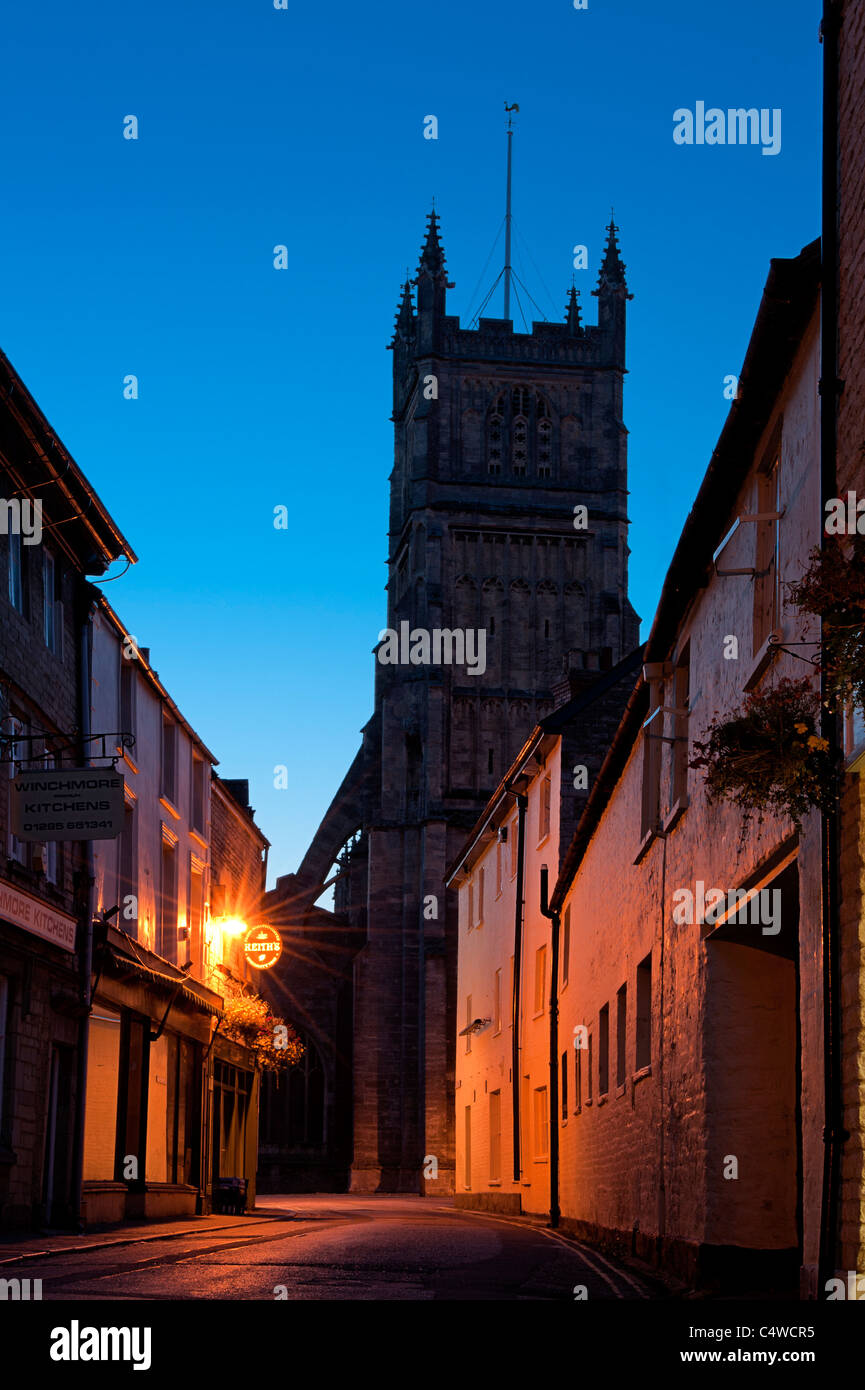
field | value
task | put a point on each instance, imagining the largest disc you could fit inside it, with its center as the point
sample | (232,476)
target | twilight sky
(260,387)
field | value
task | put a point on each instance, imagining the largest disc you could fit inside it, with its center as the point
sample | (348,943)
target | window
(644,1013)
(169,753)
(540,979)
(621,1033)
(495,1136)
(497,1000)
(512,841)
(511,996)
(127,873)
(467,1157)
(604,1051)
(480,898)
(52,608)
(468,1023)
(767,559)
(563,1086)
(566,944)
(4,1010)
(525,1122)
(127,697)
(196,913)
(471,904)
(854,728)
(19,850)
(519,446)
(589,1072)
(681,700)
(544,809)
(545,433)
(542,1123)
(167,947)
(500,866)
(494,445)
(578,1080)
(652,745)
(16,571)
(197,800)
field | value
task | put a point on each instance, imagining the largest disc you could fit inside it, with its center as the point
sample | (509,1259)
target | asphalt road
(343,1247)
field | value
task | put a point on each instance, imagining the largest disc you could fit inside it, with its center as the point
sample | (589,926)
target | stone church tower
(498,437)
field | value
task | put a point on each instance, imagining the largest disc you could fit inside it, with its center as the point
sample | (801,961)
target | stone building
(669,1097)
(493,573)
(172,1104)
(45,903)
(844,217)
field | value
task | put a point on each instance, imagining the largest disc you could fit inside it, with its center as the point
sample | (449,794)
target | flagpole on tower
(509,110)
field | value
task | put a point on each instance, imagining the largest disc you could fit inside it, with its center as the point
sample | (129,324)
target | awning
(166,984)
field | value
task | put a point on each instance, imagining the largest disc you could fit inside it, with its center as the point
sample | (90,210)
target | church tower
(500,438)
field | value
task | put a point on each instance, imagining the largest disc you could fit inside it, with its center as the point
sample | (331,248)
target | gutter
(553,915)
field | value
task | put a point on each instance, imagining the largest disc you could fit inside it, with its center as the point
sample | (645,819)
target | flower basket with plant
(769,756)
(248,1020)
(833,589)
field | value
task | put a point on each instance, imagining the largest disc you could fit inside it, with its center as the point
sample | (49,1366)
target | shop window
(103,1072)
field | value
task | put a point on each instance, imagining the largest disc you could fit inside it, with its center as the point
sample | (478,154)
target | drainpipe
(522,805)
(553,915)
(85,649)
(830,388)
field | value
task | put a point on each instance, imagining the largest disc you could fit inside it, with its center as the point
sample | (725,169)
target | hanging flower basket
(833,589)
(770,757)
(247,1020)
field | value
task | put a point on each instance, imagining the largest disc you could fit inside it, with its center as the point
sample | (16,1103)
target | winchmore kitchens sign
(23,910)
(67,803)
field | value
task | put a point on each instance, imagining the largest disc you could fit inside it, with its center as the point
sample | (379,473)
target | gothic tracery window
(520,435)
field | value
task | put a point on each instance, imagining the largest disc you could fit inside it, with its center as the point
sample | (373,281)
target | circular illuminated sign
(262,947)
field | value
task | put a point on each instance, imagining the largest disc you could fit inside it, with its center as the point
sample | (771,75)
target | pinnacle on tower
(432,257)
(573,311)
(432,278)
(405,311)
(612,271)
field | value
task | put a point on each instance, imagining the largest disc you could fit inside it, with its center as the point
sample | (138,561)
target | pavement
(322,1247)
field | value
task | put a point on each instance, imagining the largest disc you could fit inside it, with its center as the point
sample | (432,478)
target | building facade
(844,39)
(677,1113)
(54,533)
(507,547)
(171,1103)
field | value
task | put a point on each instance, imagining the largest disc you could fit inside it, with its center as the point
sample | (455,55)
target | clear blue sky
(260,387)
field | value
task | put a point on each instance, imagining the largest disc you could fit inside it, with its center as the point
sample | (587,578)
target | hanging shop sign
(67,803)
(262,947)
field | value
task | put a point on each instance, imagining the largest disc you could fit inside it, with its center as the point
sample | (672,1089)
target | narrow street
(338,1247)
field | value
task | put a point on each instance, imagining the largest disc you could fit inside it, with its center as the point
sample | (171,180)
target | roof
(99,538)
(786,308)
(544,733)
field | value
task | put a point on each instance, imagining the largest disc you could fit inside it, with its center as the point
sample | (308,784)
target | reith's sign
(262,947)
(67,803)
